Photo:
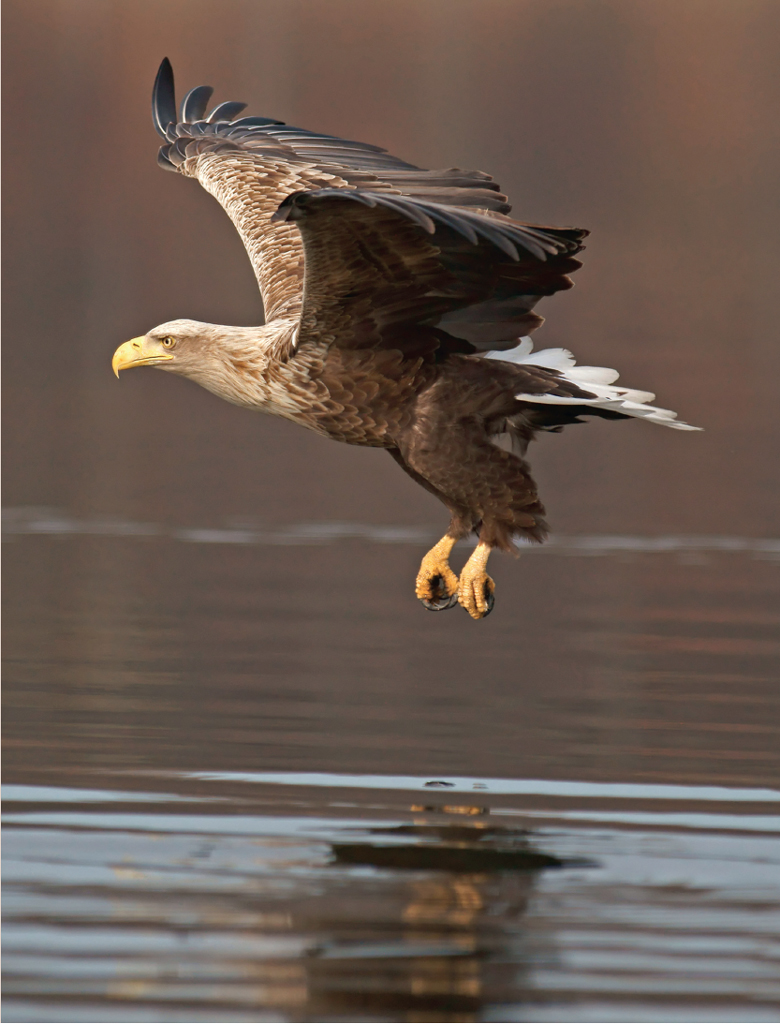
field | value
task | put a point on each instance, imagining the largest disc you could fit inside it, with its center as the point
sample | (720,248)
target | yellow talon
(436,583)
(476,588)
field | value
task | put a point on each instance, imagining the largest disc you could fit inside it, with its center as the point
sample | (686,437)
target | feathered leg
(480,483)
(436,584)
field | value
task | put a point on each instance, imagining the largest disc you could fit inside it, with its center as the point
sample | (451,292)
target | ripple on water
(305,897)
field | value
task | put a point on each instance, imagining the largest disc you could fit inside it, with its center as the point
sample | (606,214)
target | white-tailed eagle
(398,302)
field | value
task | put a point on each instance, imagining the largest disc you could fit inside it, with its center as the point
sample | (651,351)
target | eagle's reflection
(459,887)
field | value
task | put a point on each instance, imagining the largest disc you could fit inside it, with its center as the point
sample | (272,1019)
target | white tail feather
(596,380)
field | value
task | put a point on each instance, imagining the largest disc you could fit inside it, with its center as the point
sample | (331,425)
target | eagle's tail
(608,401)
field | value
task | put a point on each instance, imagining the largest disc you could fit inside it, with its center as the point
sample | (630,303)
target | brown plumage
(395,301)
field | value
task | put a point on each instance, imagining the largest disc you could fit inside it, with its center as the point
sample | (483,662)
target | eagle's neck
(250,366)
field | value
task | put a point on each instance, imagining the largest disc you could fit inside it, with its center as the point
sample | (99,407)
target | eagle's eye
(168,341)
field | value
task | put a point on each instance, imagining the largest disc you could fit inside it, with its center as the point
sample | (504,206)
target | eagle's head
(181,346)
(229,361)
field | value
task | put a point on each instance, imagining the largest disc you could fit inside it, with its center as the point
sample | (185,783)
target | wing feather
(226,111)
(194,104)
(252,164)
(391,271)
(164,98)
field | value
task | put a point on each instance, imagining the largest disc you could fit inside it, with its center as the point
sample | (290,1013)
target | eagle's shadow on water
(461,890)
(452,848)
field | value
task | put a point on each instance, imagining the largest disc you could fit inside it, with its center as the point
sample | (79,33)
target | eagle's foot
(476,590)
(437,585)
(477,595)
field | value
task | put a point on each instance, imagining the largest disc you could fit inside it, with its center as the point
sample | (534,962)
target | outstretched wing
(251,164)
(394,271)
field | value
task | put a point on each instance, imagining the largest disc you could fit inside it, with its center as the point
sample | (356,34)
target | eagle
(398,307)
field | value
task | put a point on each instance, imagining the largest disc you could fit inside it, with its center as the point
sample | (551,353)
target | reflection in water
(433,934)
(230,903)
(455,952)
(449,848)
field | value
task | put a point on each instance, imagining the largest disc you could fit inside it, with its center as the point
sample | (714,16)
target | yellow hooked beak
(139,352)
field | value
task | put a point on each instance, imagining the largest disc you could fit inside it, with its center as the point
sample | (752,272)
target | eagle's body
(395,302)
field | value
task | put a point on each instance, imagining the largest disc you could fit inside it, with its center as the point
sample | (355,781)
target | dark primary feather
(226,111)
(164,98)
(194,104)
(268,137)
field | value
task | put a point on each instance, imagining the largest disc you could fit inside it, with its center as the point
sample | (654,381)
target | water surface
(310,899)
(249,778)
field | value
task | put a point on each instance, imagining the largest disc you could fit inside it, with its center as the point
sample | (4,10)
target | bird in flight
(398,303)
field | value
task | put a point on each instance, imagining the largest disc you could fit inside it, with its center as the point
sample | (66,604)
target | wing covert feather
(389,271)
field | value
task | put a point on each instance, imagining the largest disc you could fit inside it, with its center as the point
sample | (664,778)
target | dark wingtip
(163,98)
(225,111)
(194,104)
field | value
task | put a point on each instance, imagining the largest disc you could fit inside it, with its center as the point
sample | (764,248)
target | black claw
(490,600)
(440,604)
(443,600)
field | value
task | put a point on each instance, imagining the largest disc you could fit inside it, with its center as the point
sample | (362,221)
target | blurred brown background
(650,122)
